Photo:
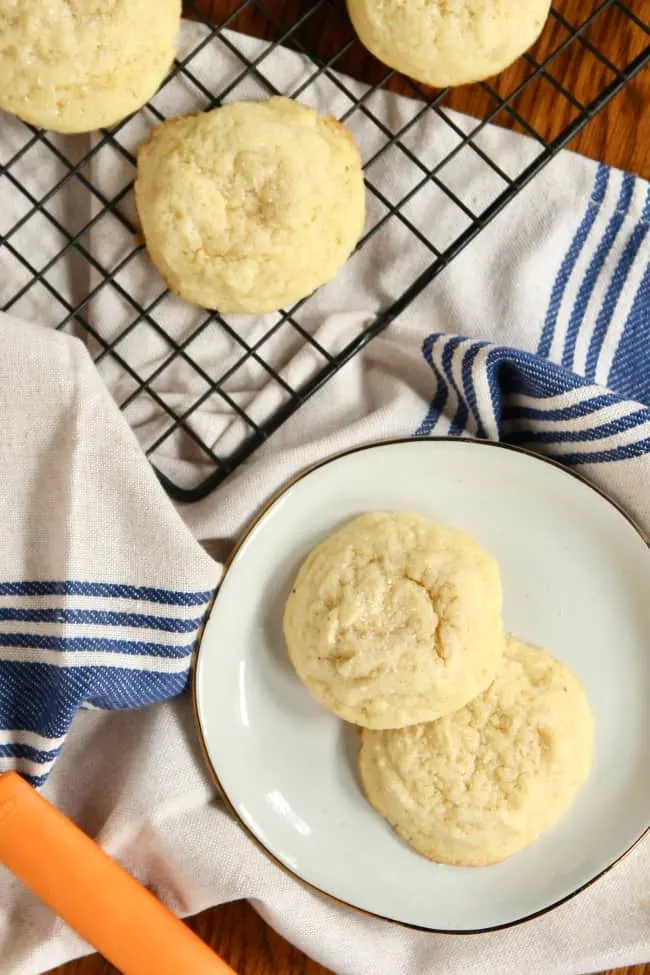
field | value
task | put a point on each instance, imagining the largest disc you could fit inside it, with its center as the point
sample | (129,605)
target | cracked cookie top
(395,619)
(478,785)
(251,206)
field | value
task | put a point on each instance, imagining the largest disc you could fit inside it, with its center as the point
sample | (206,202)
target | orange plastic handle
(92,893)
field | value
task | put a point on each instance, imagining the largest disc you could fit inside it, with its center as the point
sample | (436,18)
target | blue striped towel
(103,590)
(577,387)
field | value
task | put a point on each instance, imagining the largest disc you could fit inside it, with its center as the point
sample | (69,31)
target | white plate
(576,576)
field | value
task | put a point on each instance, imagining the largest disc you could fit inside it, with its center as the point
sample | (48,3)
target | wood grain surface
(250,946)
(615,136)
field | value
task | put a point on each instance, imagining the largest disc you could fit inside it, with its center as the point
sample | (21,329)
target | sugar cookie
(251,206)
(395,619)
(79,65)
(448,42)
(478,785)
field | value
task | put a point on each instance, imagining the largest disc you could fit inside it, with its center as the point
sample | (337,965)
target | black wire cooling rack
(202,391)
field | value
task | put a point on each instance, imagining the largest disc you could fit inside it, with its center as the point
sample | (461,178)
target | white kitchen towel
(536,334)
(103,590)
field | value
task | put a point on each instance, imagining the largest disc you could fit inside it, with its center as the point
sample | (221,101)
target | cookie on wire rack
(252,206)
(73,66)
(448,42)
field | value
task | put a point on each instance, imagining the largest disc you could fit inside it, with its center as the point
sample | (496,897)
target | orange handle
(96,896)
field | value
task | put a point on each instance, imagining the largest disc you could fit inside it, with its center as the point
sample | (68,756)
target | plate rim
(228,803)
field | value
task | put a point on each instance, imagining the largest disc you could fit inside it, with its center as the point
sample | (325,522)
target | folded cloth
(535,334)
(103,590)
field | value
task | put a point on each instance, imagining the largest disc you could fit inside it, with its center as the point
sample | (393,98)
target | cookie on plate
(251,206)
(478,785)
(394,620)
(448,42)
(79,65)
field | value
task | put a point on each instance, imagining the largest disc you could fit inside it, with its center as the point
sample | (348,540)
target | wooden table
(238,934)
(614,136)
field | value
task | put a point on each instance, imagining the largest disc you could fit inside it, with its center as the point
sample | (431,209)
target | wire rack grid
(204,391)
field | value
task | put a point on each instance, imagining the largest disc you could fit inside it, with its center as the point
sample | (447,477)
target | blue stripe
(159,687)
(468,384)
(457,425)
(595,267)
(105,590)
(492,363)
(630,373)
(37,641)
(100,618)
(36,781)
(440,397)
(28,752)
(573,412)
(635,419)
(570,259)
(512,372)
(43,699)
(615,288)
(627,452)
